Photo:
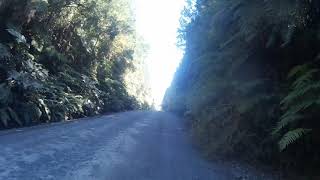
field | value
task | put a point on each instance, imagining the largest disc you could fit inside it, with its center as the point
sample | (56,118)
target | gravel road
(137,145)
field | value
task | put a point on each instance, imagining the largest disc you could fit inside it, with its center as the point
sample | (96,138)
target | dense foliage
(249,79)
(64,59)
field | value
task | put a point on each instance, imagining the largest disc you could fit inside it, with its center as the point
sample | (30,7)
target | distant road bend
(137,145)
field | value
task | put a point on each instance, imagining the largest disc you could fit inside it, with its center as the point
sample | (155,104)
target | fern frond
(297,69)
(292,137)
(300,92)
(304,79)
(285,121)
(299,107)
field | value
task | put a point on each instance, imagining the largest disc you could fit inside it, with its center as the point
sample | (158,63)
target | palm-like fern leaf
(297,69)
(304,79)
(285,121)
(292,137)
(299,107)
(300,92)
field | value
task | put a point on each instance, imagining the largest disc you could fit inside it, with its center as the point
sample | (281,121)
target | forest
(66,59)
(248,84)
(249,81)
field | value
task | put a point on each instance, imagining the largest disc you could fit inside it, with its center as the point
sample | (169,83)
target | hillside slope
(65,59)
(249,80)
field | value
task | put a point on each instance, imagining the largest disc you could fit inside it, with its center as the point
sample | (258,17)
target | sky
(157,22)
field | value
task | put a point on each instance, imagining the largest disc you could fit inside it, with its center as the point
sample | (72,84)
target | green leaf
(292,137)
(305,78)
(297,69)
(285,121)
(300,92)
(299,107)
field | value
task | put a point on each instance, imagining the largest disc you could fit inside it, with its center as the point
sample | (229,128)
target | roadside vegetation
(65,59)
(249,80)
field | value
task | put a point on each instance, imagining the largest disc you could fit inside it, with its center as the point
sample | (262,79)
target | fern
(285,121)
(302,85)
(299,106)
(299,101)
(291,137)
(301,93)
(304,79)
(297,69)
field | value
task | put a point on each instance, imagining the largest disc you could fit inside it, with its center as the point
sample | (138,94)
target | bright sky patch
(158,21)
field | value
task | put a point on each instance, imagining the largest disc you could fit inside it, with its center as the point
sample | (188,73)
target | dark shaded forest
(249,80)
(66,59)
